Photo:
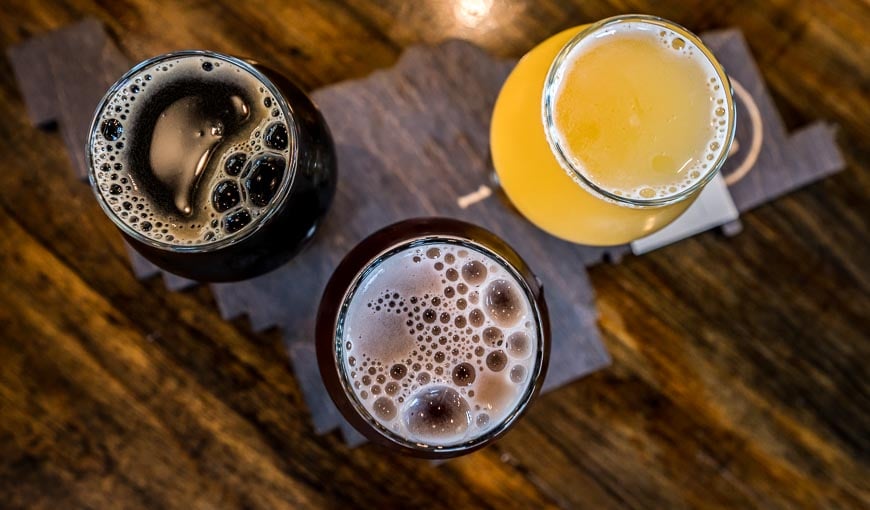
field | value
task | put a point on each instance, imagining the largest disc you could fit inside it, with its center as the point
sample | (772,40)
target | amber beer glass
(432,337)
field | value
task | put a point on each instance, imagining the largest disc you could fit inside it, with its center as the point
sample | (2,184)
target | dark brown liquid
(207,155)
(174,133)
(184,140)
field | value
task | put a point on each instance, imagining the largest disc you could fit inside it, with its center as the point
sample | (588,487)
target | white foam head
(439,343)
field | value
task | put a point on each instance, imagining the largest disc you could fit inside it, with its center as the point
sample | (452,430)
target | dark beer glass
(213,168)
(432,337)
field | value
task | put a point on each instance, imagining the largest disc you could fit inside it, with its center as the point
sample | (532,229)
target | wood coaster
(412,140)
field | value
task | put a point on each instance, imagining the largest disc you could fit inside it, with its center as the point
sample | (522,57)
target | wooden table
(740,374)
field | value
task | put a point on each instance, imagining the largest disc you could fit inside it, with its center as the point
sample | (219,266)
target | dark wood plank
(738,377)
(102,414)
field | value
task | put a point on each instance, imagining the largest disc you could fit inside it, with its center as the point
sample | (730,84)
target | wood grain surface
(740,365)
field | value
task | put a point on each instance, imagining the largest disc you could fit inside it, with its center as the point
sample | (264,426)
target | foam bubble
(519,345)
(276,136)
(398,371)
(385,409)
(391,388)
(476,317)
(496,361)
(503,303)
(482,420)
(437,414)
(111,129)
(518,374)
(225,196)
(474,272)
(463,374)
(493,336)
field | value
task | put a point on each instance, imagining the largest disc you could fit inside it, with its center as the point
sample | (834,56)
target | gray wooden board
(410,140)
(63,75)
(785,161)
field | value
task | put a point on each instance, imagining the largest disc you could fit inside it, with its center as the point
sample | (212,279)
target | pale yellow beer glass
(606,133)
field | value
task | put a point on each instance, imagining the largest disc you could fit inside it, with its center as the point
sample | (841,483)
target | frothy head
(637,110)
(439,343)
(191,149)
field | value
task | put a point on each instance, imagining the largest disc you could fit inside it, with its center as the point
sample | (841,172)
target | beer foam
(424,360)
(705,155)
(190,149)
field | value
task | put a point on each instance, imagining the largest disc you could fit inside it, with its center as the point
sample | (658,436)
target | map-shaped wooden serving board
(412,141)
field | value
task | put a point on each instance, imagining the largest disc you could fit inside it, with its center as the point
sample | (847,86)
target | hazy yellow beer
(605,133)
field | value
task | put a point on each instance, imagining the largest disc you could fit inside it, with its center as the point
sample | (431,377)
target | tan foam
(380,338)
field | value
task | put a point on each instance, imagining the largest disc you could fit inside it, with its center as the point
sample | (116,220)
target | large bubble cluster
(191,169)
(438,343)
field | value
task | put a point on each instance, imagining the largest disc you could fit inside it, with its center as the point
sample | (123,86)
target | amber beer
(605,133)
(432,337)
(212,167)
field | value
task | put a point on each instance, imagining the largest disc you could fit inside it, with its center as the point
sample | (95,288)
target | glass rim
(535,375)
(262,220)
(575,173)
